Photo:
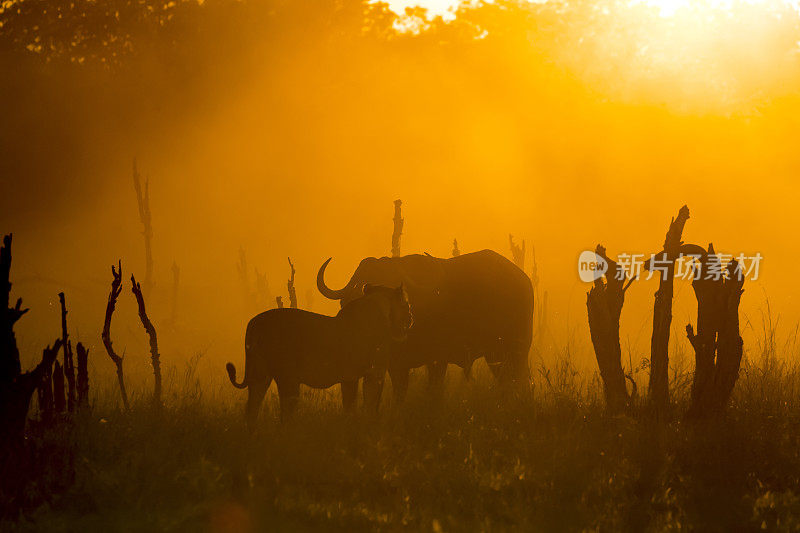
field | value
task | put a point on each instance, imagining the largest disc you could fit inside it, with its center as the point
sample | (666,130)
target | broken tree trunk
(16,410)
(279,301)
(9,354)
(83,376)
(664,264)
(290,286)
(151,333)
(456,251)
(16,388)
(397,232)
(717,344)
(143,201)
(116,289)
(604,306)
(517,252)
(69,364)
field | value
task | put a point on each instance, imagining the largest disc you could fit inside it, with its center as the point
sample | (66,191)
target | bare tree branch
(151,332)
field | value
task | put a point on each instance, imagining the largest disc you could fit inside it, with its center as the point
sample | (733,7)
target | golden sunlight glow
(668,8)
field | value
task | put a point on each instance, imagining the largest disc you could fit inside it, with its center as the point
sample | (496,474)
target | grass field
(478,460)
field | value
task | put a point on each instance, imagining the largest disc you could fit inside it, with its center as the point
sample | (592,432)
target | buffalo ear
(367,288)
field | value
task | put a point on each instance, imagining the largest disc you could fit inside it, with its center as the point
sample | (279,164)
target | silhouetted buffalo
(296,347)
(465,307)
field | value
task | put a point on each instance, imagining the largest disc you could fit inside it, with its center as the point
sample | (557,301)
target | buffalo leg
(399,378)
(255,395)
(289,394)
(373,387)
(436,373)
(349,391)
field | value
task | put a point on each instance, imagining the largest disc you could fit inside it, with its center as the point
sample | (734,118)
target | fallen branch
(116,289)
(151,332)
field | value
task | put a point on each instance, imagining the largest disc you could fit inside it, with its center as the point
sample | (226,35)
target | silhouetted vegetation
(539,116)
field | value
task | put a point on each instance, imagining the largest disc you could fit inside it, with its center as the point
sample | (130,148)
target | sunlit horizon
(667,8)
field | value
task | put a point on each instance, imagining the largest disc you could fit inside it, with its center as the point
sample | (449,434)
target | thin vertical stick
(69,365)
(151,332)
(290,286)
(83,376)
(398,228)
(116,288)
(143,200)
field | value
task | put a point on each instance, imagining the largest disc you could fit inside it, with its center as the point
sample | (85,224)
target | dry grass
(479,460)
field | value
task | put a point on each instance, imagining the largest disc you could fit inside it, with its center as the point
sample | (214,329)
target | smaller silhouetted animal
(294,347)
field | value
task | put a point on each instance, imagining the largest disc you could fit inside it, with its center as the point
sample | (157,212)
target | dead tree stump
(116,289)
(664,263)
(16,388)
(604,306)
(397,232)
(456,251)
(717,344)
(151,333)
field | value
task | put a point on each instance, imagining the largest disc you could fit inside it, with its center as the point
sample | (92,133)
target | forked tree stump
(604,306)
(116,289)
(717,344)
